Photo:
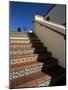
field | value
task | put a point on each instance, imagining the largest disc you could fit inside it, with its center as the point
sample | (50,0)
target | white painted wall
(57,14)
(52,40)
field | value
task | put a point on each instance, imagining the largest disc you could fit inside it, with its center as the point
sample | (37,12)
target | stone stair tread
(21,66)
(33,79)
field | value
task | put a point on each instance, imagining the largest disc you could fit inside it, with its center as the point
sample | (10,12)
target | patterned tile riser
(20,41)
(21,46)
(21,52)
(19,38)
(24,72)
(23,60)
(19,35)
(22,38)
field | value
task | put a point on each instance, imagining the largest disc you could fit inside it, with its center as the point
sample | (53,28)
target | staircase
(31,64)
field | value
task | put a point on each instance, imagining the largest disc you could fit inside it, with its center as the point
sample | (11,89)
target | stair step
(19,41)
(57,73)
(28,51)
(21,34)
(17,59)
(23,58)
(31,65)
(22,38)
(31,80)
(19,38)
(17,46)
(26,36)
(25,41)
(25,69)
(38,44)
(23,51)
(27,46)
(21,66)
(17,33)
(15,42)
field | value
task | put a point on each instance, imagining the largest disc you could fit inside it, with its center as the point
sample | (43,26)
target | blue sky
(21,14)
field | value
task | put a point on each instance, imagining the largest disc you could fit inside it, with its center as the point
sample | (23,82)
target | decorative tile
(23,60)
(20,41)
(30,51)
(25,71)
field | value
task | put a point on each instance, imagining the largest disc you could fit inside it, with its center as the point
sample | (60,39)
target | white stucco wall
(52,40)
(57,14)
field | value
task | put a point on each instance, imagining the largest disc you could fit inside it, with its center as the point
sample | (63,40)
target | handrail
(51,25)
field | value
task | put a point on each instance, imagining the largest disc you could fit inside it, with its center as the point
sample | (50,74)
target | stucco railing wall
(54,41)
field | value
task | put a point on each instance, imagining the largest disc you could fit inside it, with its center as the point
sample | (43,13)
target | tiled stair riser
(23,60)
(20,46)
(24,46)
(18,33)
(25,71)
(19,38)
(21,41)
(23,38)
(28,51)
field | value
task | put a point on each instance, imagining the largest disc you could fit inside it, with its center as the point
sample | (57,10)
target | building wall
(57,14)
(52,40)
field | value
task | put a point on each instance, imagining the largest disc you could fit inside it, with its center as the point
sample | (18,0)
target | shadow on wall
(50,64)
